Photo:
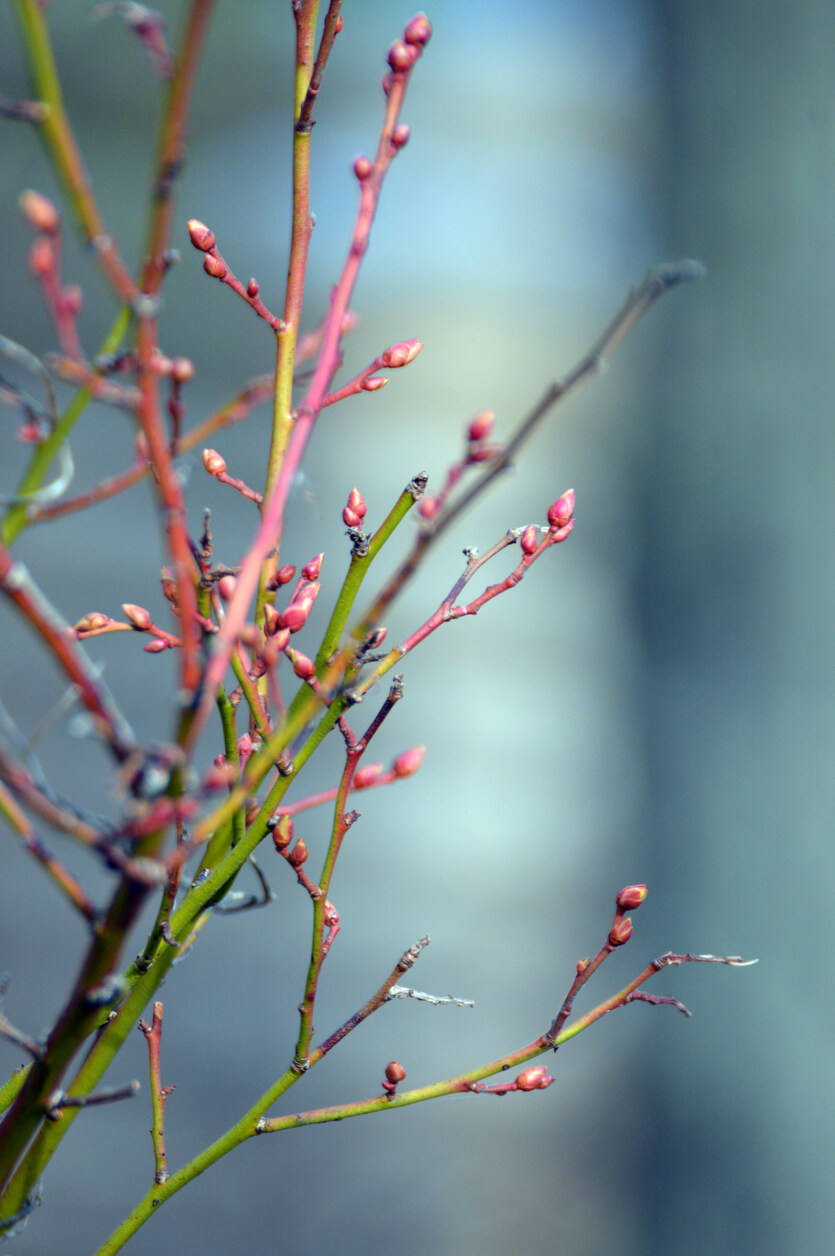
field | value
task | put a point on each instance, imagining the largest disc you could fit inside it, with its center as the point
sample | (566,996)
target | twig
(159,1093)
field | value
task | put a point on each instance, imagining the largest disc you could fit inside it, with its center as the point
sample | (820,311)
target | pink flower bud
(137,615)
(356,502)
(215,266)
(362,168)
(582,965)
(253,288)
(402,56)
(374,383)
(631,896)
(39,211)
(376,638)
(226,586)
(302,665)
(284,575)
(419,30)
(169,585)
(298,854)
(428,507)
(481,426)
(313,568)
(281,639)
(200,235)
(294,616)
(272,619)
(620,932)
(527,540)
(221,774)
(367,775)
(401,354)
(41,257)
(562,534)
(407,763)
(562,510)
(350,518)
(250,636)
(182,370)
(331,914)
(536,1078)
(72,299)
(213,462)
(92,621)
(156,646)
(283,833)
(307,591)
(340,22)
(400,136)
(395,1072)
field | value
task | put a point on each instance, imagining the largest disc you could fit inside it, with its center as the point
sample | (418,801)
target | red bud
(298,854)
(631,896)
(481,426)
(562,510)
(527,540)
(401,354)
(283,833)
(536,1078)
(400,135)
(367,775)
(313,568)
(39,211)
(620,932)
(214,463)
(137,615)
(407,763)
(395,1072)
(362,168)
(215,266)
(402,56)
(200,235)
(419,30)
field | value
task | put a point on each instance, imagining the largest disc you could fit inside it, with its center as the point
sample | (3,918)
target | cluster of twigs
(232,628)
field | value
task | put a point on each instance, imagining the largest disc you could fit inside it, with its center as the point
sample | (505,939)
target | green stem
(16,517)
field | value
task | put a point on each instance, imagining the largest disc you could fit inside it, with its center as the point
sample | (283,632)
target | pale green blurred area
(654,703)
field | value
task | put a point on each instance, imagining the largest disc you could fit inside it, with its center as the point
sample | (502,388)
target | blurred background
(654,703)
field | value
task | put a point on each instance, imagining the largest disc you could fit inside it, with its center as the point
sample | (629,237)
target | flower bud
(215,266)
(213,462)
(367,775)
(41,257)
(294,616)
(362,168)
(200,235)
(169,585)
(631,896)
(428,507)
(253,288)
(401,354)
(356,502)
(331,914)
(527,540)
(350,518)
(313,568)
(536,1078)
(402,56)
(283,833)
(182,370)
(562,510)
(400,136)
(283,576)
(221,774)
(226,586)
(376,638)
(92,621)
(156,646)
(374,383)
(72,299)
(298,854)
(620,932)
(419,30)
(39,211)
(272,619)
(395,1072)
(481,426)
(302,665)
(137,615)
(582,965)
(407,763)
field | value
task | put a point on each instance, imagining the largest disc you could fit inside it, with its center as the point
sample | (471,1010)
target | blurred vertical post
(738,603)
